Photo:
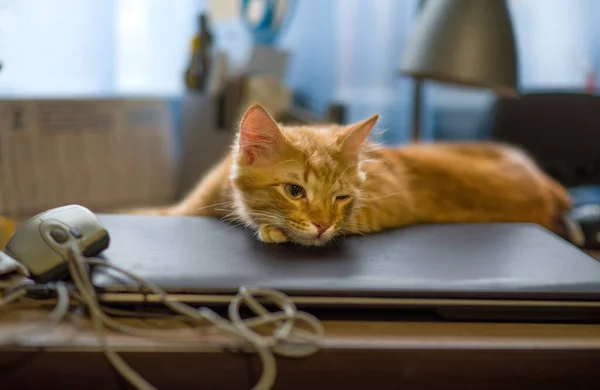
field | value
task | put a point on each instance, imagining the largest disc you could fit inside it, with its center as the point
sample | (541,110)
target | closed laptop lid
(204,255)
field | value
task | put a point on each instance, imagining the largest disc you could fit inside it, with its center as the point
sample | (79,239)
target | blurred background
(115,103)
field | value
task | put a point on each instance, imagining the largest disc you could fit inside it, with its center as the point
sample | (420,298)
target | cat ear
(353,137)
(260,137)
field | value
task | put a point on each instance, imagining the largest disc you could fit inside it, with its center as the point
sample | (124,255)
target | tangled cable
(286,340)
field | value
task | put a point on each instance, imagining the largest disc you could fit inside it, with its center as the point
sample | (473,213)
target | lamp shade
(467,42)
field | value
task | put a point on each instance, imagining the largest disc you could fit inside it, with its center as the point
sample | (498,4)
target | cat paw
(271,235)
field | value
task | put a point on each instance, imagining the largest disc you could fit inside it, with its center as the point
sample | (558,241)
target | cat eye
(342,197)
(294,191)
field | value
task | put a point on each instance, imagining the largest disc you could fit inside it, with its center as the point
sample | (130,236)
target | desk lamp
(464,42)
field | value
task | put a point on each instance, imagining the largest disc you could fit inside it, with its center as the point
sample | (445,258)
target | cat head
(303,180)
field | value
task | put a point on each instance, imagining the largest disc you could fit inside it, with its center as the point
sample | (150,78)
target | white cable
(286,340)
(13,296)
(245,295)
(62,307)
(56,316)
(80,276)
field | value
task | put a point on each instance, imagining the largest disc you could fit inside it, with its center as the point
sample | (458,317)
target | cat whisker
(267,220)
(303,152)
(241,224)
(232,217)
(355,230)
(231,214)
(214,204)
(342,175)
(233,223)
(232,226)
(264,214)
(222,209)
(385,196)
(285,162)
(334,240)
(369,160)
(271,219)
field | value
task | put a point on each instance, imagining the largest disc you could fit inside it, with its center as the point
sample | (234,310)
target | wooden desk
(355,355)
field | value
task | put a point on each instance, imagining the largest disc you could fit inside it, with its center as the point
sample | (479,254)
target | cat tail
(566,227)
(560,196)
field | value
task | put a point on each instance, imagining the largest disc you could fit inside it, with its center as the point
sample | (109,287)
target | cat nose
(322,226)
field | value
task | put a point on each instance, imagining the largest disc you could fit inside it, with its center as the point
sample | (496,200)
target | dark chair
(561,131)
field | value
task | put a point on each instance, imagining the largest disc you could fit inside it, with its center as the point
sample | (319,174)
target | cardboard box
(103,154)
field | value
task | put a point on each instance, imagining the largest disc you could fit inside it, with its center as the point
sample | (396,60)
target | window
(344,50)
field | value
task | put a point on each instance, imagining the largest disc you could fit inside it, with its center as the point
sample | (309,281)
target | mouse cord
(56,316)
(187,311)
(286,340)
(13,296)
(247,296)
(80,276)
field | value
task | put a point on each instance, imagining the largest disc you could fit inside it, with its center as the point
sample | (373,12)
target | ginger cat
(310,184)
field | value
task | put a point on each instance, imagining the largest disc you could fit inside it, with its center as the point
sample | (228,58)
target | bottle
(198,70)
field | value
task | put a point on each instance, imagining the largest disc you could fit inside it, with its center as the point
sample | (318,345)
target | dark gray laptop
(470,271)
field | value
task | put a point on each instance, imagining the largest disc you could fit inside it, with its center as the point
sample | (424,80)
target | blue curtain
(310,42)
(343,51)
(348,52)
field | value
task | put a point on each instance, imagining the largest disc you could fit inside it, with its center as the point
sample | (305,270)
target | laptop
(504,271)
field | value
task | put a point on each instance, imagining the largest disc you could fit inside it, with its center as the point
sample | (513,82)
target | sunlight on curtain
(370,39)
(309,40)
(58,47)
(95,48)
(153,44)
(345,51)
(553,42)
